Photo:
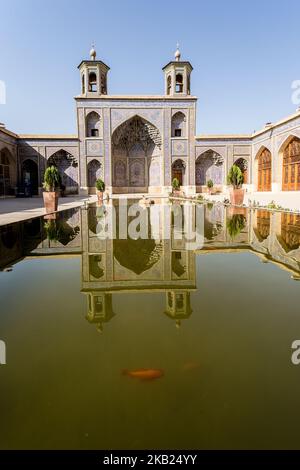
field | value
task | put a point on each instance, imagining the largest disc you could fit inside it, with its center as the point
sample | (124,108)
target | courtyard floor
(287,200)
(16,209)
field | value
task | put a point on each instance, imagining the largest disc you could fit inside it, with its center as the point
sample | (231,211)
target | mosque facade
(139,144)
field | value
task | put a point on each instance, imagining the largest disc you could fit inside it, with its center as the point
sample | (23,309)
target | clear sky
(245,56)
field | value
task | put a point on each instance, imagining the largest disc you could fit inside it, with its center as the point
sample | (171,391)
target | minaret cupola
(177,76)
(93,76)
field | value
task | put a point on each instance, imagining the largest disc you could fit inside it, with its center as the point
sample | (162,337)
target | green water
(76,311)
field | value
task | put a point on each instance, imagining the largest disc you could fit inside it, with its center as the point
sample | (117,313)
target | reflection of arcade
(34,238)
(262,225)
(277,237)
(290,231)
(120,266)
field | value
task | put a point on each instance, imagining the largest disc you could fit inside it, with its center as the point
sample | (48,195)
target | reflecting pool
(160,342)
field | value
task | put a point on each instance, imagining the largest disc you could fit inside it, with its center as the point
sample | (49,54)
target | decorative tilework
(94,147)
(179,147)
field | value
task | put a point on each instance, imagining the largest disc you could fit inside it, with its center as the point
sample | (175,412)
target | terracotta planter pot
(237,211)
(237,196)
(99,195)
(50,201)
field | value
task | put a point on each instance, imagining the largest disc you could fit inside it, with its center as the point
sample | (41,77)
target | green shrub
(175,184)
(100,185)
(235,177)
(236,224)
(210,184)
(272,205)
(52,179)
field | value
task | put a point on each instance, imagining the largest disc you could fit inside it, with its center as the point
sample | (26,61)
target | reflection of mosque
(158,263)
(161,263)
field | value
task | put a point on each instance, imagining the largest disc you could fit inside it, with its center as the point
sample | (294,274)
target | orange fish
(144,374)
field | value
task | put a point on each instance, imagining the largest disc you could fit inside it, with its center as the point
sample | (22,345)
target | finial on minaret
(93,52)
(177,53)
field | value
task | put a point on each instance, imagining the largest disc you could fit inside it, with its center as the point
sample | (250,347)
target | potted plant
(235,178)
(100,188)
(51,184)
(210,185)
(176,186)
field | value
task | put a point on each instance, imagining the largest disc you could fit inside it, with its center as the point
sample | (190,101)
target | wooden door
(291,166)
(265,171)
(177,173)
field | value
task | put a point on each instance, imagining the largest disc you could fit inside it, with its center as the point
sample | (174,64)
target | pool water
(80,313)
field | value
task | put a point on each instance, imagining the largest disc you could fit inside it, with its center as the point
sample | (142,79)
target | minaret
(100,309)
(178,306)
(177,76)
(93,76)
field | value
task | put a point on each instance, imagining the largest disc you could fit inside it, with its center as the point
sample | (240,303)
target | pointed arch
(94,168)
(209,165)
(136,151)
(7,172)
(178,171)
(289,153)
(68,169)
(92,124)
(29,175)
(263,169)
(242,163)
(92,82)
(179,124)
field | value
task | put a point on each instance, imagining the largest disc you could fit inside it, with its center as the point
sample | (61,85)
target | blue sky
(245,56)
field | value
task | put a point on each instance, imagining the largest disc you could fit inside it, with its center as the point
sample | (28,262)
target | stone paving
(16,209)
(287,200)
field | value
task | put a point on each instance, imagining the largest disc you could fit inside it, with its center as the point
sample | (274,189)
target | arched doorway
(291,166)
(243,166)
(30,177)
(178,170)
(264,170)
(5,172)
(68,169)
(209,166)
(94,172)
(136,156)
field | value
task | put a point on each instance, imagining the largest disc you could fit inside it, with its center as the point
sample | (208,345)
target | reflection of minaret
(178,306)
(100,309)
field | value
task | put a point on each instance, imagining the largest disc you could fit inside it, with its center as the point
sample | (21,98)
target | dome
(177,54)
(93,53)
